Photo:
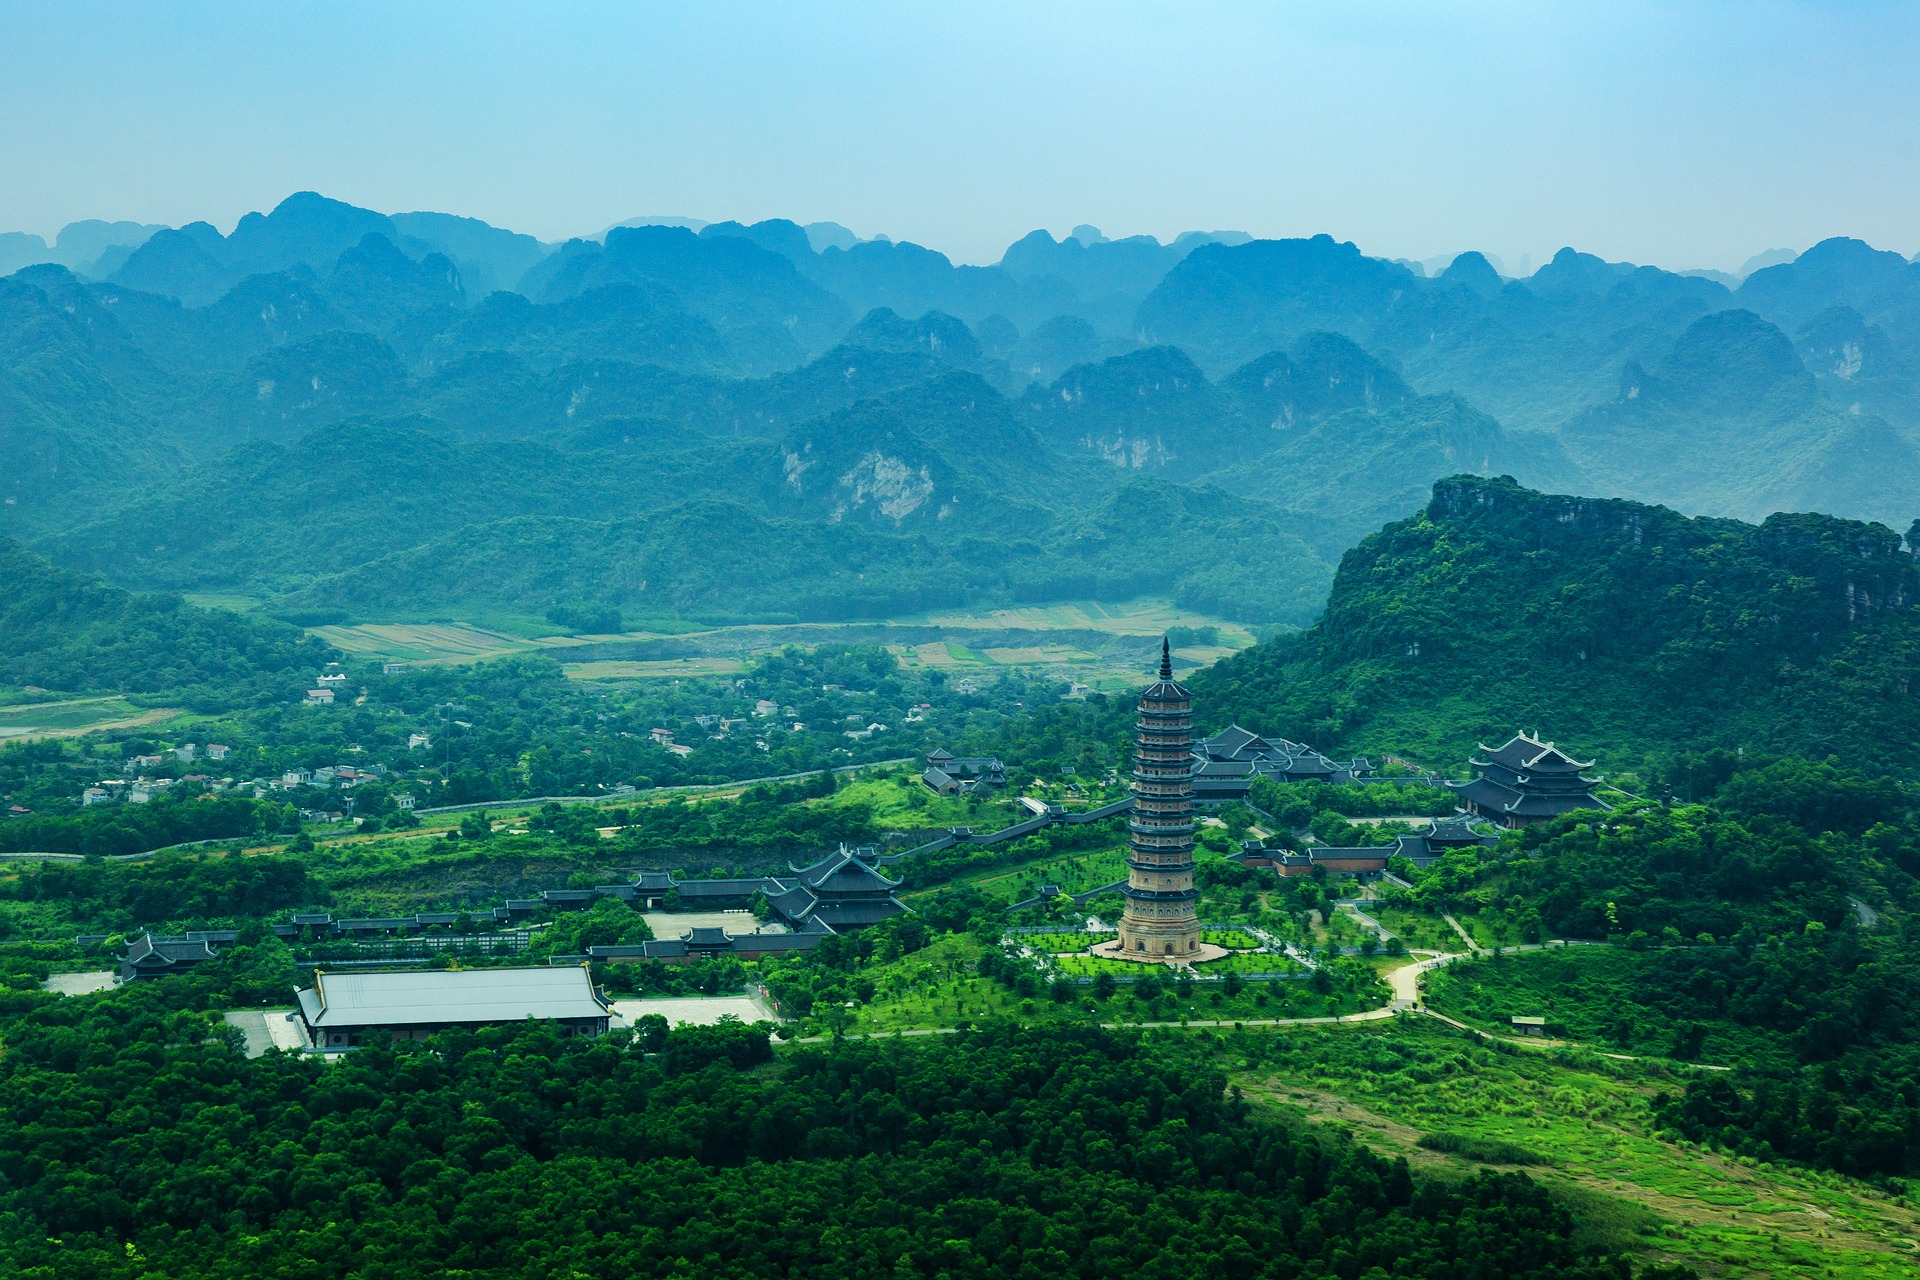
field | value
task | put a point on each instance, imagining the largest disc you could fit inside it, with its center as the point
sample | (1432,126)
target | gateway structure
(1162,922)
(347,1010)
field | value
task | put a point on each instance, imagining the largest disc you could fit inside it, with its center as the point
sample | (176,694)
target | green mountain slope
(71,633)
(1360,468)
(1732,423)
(723,560)
(1621,629)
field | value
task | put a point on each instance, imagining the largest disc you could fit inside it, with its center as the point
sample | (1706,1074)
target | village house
(319,697)
(418,741)
(218,751)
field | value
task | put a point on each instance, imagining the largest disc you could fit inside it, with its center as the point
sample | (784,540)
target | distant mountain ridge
(805,375)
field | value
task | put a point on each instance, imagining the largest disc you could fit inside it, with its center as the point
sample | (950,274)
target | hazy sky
(1683,134)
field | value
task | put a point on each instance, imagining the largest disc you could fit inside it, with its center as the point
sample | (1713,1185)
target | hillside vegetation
(62,632)
(1622,630)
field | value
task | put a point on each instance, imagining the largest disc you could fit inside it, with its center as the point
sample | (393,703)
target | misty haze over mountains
(355,412)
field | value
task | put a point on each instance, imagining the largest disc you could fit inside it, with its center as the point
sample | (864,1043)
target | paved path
(1464,935)
(267,1029)
(1869,918)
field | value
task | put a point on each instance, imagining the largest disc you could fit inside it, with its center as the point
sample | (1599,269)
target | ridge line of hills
(302,408)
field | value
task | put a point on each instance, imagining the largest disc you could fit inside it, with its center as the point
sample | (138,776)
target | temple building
(1161,922)
(950,775)
(1225,765)
(349,1010)
(1527,781)
(842,891)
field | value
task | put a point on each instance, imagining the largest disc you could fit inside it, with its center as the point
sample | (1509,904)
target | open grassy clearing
(75,716)
(1589,1119)
(1419,930)
(1072,872)
(1605,997)
(1061,943)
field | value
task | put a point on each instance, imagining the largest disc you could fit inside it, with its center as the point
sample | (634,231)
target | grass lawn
(1420,930)
(1232,939)
(1061,943)
(939,987)
(900,803)
(1073,872)
(1590,1120)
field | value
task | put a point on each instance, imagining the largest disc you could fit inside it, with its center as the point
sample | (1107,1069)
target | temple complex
(1527,781)
(1161,923)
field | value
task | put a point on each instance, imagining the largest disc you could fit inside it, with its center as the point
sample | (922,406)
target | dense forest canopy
(130,1142)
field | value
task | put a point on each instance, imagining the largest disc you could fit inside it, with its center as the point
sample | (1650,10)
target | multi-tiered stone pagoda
(1162,923)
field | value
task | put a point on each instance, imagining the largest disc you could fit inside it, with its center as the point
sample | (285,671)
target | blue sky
(1679,134)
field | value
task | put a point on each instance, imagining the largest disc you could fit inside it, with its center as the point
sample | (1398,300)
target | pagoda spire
(1166,659)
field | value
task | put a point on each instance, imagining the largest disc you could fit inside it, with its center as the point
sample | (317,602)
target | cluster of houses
(325,686)
(142,788)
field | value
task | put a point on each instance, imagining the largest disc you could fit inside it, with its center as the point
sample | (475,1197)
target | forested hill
(64,632)
(1625,631)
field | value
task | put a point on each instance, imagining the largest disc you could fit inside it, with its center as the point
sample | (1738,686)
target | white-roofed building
(347,1010)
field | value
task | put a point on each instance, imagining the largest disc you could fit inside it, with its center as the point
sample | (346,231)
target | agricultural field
(1051,637)
(1127,618)
(1585,1126)
(660,669)
(428,642)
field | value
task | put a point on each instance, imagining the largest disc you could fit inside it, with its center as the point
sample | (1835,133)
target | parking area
(79,984)
(674,924)
(694,1011)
